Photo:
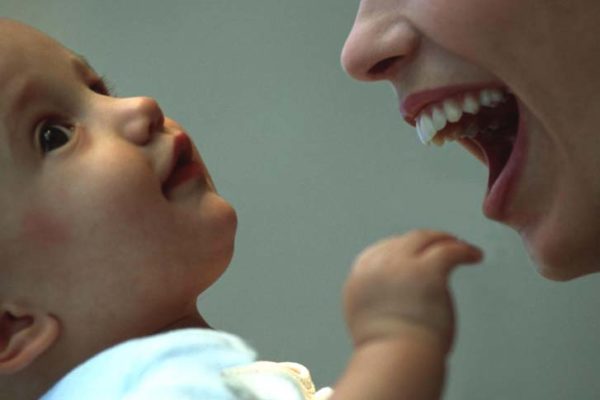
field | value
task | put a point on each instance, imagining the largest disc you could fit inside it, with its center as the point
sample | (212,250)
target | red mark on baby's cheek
(42,228)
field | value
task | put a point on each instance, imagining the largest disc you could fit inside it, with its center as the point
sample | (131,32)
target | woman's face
(516,82)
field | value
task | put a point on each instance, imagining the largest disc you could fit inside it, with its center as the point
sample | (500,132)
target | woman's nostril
(383,66)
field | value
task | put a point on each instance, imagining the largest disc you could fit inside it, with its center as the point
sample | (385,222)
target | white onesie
(185,364)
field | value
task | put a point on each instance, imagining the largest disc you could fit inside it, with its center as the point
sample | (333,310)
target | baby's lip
(412,104)
(182,158)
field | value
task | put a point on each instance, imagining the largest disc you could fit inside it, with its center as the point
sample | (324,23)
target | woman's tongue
(496,136)
(497,152)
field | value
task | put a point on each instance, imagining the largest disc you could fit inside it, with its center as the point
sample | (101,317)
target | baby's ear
(25,333)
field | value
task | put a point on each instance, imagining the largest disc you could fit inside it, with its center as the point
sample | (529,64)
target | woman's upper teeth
(435,117)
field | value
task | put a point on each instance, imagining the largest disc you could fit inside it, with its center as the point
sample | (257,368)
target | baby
(111,228)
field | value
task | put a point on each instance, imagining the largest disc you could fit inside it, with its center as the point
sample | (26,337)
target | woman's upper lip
(412,104)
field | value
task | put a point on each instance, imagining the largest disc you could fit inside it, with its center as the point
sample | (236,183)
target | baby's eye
(52,136)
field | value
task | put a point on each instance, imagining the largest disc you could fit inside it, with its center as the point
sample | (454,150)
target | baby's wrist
(403,334)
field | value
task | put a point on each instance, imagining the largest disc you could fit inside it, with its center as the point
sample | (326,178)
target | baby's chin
(225,227)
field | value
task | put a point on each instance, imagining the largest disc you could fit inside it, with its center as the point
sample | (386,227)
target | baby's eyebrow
(81,61)
(86,69)
(28,87)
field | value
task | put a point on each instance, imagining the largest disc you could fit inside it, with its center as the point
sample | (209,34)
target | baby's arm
(399,312)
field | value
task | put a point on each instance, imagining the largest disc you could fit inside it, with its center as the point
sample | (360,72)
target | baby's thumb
(451,253)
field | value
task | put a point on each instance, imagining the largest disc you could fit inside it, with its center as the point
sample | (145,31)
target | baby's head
(110,223)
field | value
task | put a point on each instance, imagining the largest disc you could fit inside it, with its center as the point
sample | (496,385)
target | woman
(515,82)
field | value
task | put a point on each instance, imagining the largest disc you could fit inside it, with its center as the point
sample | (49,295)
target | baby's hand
(399,287)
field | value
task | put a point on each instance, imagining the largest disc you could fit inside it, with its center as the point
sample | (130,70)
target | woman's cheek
(468,26)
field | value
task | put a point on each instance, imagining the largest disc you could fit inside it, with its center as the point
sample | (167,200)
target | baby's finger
(417,240)
(443,256)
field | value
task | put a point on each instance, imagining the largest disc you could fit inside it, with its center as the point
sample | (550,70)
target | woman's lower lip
(183,174)
(498,197)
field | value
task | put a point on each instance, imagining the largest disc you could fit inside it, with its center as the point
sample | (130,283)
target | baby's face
(544,179)
(109,216)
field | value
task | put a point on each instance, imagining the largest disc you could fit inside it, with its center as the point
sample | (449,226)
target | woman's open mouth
(486,122)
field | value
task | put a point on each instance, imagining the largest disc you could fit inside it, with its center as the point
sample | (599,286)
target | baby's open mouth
(182,164)
(484,122)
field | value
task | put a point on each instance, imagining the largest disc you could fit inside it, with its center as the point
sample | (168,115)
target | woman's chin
(559,258)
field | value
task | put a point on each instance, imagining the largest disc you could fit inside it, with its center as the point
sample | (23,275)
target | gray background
(318,167)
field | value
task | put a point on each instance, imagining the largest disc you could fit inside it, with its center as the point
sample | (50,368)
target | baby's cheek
(42,228)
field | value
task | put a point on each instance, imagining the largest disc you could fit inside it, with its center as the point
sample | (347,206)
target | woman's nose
(377,45)
(140,118)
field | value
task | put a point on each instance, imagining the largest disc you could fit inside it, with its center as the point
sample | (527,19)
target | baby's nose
(376,46)
(141,119)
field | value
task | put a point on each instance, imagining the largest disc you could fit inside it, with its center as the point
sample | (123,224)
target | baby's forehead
(29,58)
(23,48)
